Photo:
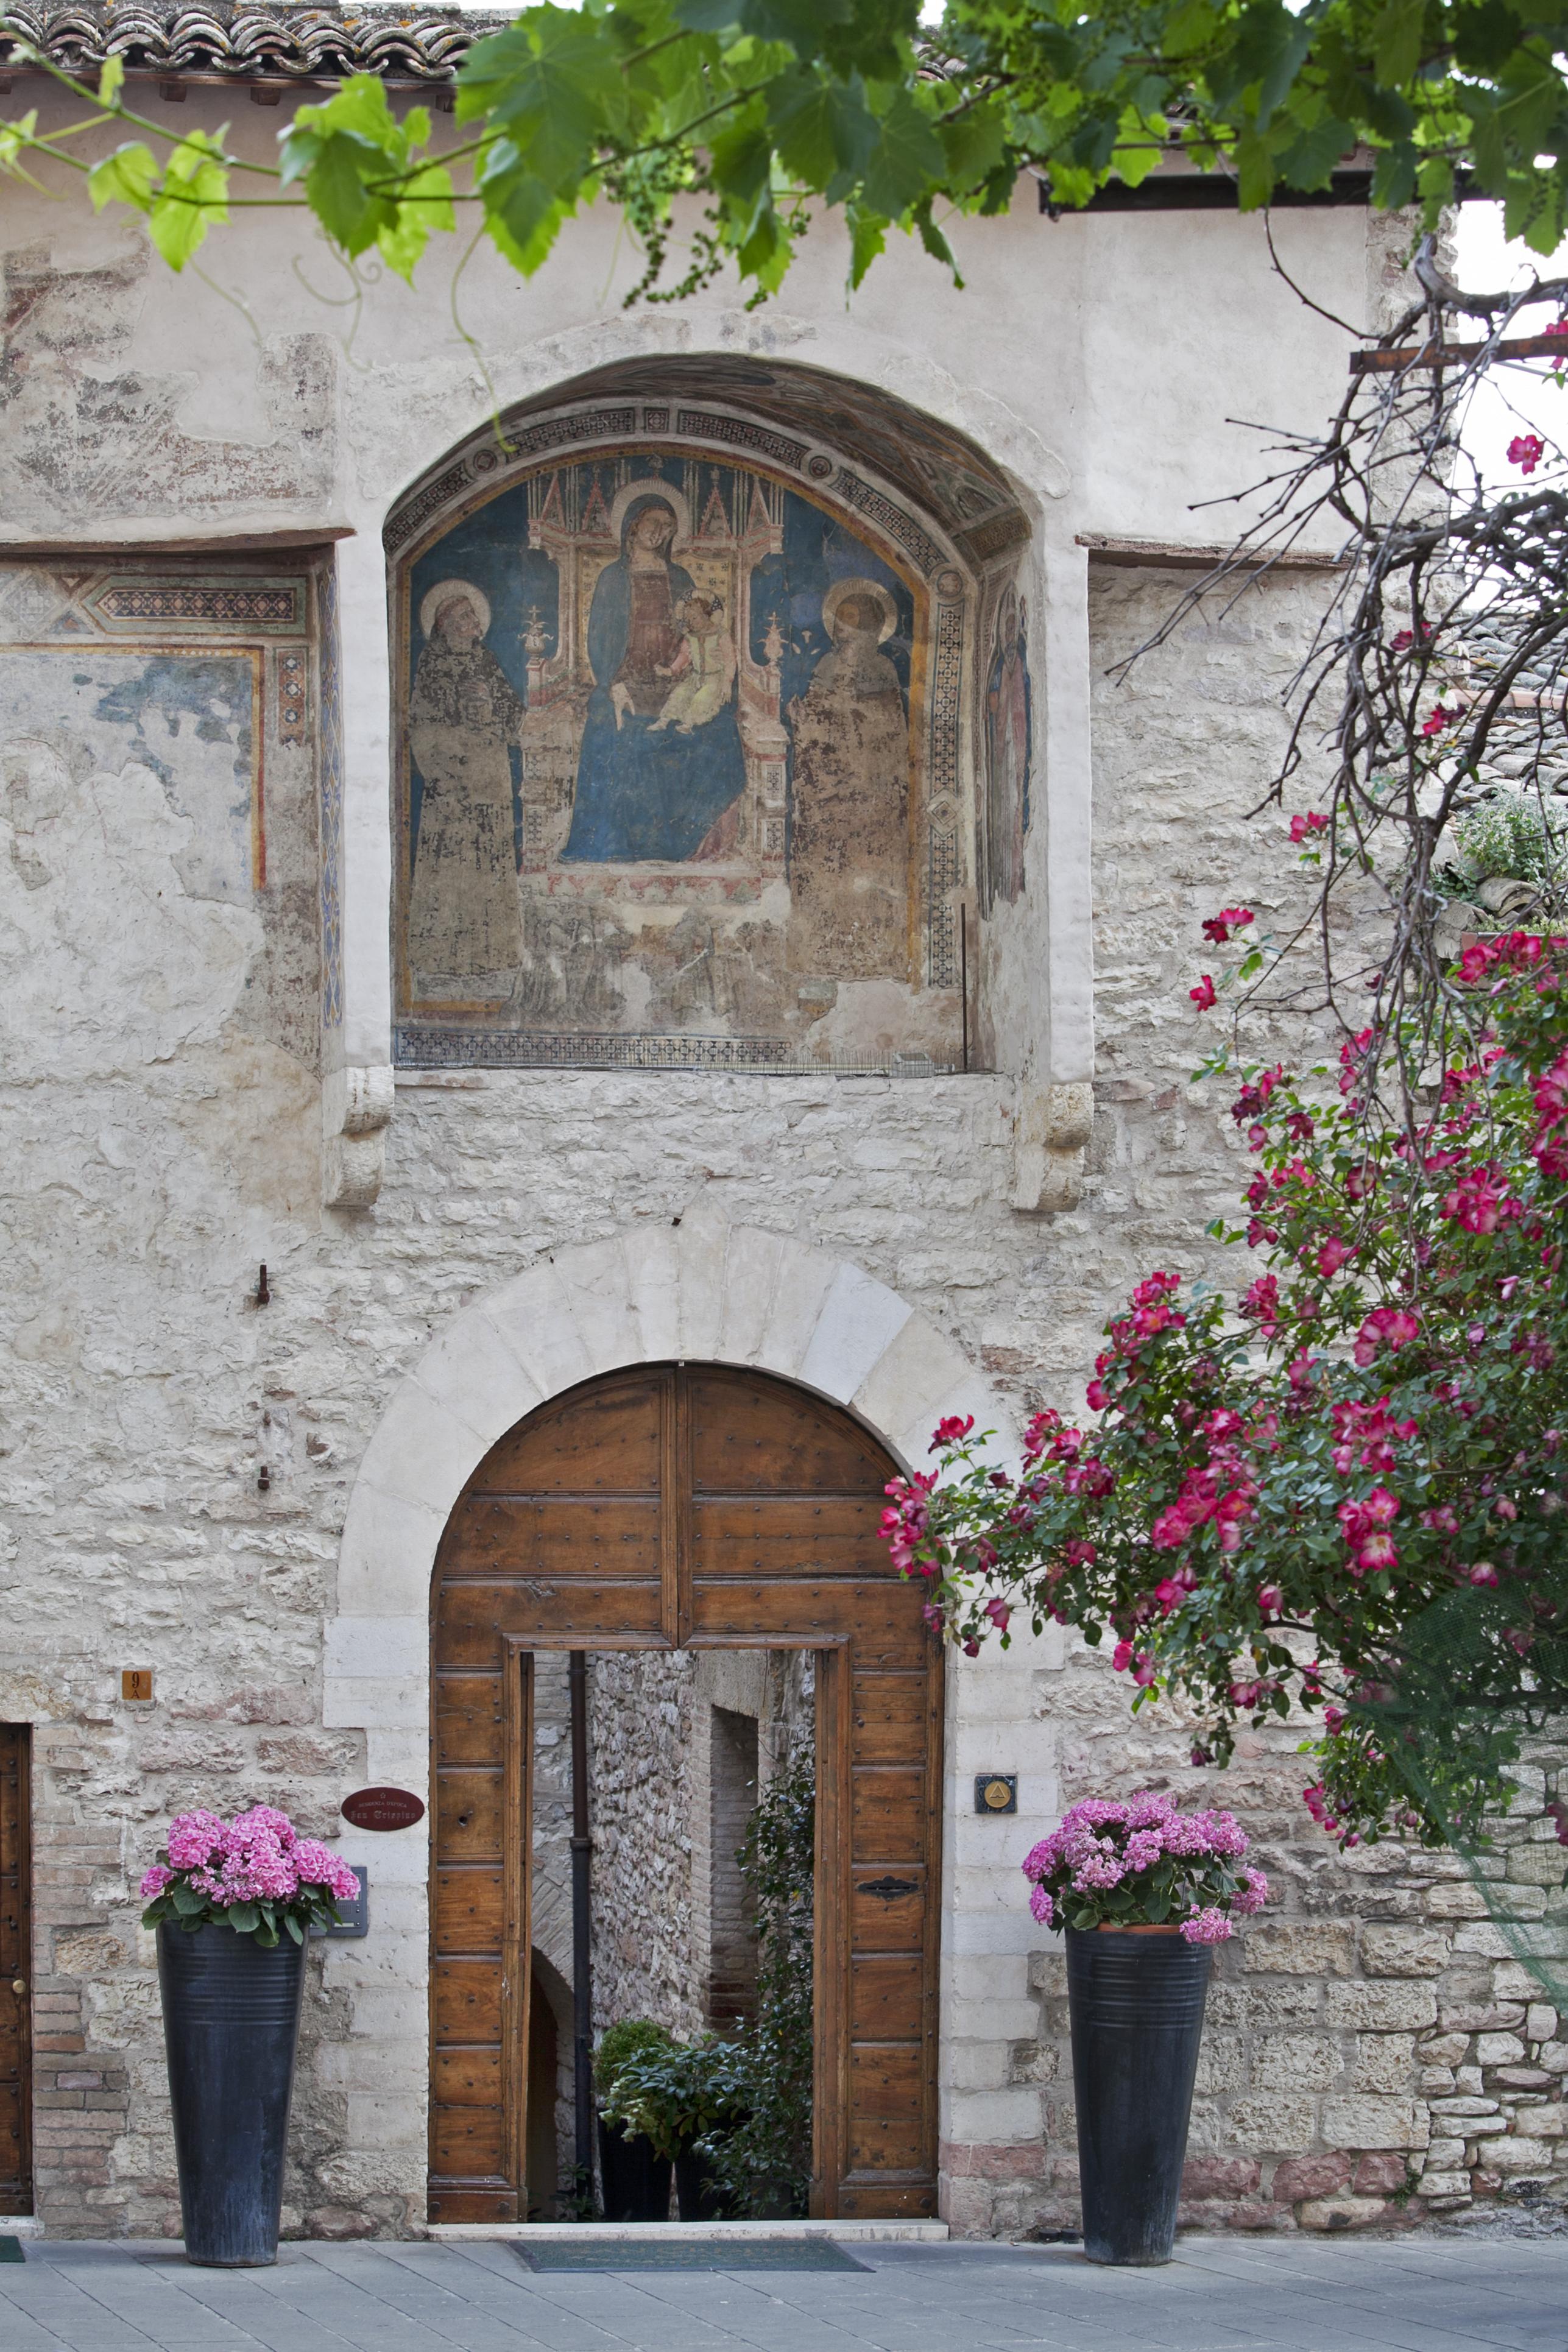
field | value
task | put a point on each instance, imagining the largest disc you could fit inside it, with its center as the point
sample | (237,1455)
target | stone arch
(698,1288)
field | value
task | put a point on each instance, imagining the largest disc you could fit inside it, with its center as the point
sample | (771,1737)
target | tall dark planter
(1137,2006)
(231,2023)
(635,2181)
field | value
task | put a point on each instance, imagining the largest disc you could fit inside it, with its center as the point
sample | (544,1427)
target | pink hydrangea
(318,1865)
(155,1881)
(1210,1927)
(1043,1908)
(193,1838)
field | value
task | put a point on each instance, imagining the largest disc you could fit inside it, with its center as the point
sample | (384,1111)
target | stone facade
(447,1247)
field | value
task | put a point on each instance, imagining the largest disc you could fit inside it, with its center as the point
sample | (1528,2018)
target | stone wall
(143,1388)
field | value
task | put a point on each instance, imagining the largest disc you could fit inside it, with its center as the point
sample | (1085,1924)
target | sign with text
(383,1809)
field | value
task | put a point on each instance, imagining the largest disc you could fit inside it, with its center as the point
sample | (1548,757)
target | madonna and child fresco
(660,749)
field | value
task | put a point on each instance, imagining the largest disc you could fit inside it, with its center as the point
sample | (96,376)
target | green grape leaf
(192,199)
(129,176)
(423,204)
(907,158)
(822,130)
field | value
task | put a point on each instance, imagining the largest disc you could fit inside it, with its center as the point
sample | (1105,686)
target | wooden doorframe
(564,1611)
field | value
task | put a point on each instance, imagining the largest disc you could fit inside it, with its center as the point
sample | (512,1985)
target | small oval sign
(383,1809)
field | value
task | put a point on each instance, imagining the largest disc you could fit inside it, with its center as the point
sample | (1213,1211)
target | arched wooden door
(696,1506)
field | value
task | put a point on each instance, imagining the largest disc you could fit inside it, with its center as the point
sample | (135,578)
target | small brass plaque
(997,1792)
(136,1685)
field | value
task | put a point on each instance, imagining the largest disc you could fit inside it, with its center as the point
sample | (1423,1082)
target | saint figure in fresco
(1007,725)
(849,829)
(648,791)
(465,915)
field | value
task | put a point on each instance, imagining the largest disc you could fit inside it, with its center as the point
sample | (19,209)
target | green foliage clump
(1511,836)
(763,2162)
(630,2039)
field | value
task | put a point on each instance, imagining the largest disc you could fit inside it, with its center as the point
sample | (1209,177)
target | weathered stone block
(1310,2176)
(1499,2050)
(1293,2061)
(1372,2122)
(1293,1948)
(1517,2154)
(1400,2007)
(1404,1951)
(1342,2212)
(1278,2126)
(1220,2176)
(1381,2174)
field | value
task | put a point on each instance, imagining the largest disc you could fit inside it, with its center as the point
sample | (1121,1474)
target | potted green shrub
(674,2096)
(634,2175)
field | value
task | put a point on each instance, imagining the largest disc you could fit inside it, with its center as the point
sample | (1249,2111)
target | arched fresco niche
(713,711)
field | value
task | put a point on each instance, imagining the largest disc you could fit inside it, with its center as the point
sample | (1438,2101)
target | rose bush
(1138,1864)
(1344,1492)
(255,1874)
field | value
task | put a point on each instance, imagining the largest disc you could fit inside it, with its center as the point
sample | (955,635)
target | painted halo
(834,596)
(648,486)
(433,598)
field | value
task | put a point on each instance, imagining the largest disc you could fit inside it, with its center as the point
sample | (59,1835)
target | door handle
(19,1985)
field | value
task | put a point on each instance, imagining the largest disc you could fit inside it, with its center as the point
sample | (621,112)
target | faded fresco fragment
(1008,727)
(660,749)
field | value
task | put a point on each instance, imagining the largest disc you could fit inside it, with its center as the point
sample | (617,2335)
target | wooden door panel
(470,1728)
(481,1618)
(603,1441)
(15,1968)
(747,1437)
(471,1910)
(467,2078)
(724,1508)
(887,2143)
(470,1806)
(888,1717)
(889,1906)
(886,1994)
(467,1995)
(884,2083)
(889,1810)
(558,1539)
(468,2143)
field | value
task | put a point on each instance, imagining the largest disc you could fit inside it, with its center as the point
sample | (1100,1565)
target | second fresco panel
(659,771)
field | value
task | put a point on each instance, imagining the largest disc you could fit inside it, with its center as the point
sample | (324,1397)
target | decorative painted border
(329,758)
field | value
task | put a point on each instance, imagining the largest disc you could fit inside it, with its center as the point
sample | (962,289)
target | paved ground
(1416,2294)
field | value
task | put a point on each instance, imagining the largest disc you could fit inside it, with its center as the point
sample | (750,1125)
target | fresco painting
(1008,745)
(659,748)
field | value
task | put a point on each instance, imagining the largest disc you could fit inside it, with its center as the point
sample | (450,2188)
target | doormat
(11,2250)
(690,2255)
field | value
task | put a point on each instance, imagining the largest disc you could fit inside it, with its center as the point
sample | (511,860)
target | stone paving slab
(1440,2293)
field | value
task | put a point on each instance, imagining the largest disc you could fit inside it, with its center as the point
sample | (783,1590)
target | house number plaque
(383,1809)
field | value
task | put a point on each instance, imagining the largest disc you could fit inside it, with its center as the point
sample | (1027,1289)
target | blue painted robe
(640,795)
